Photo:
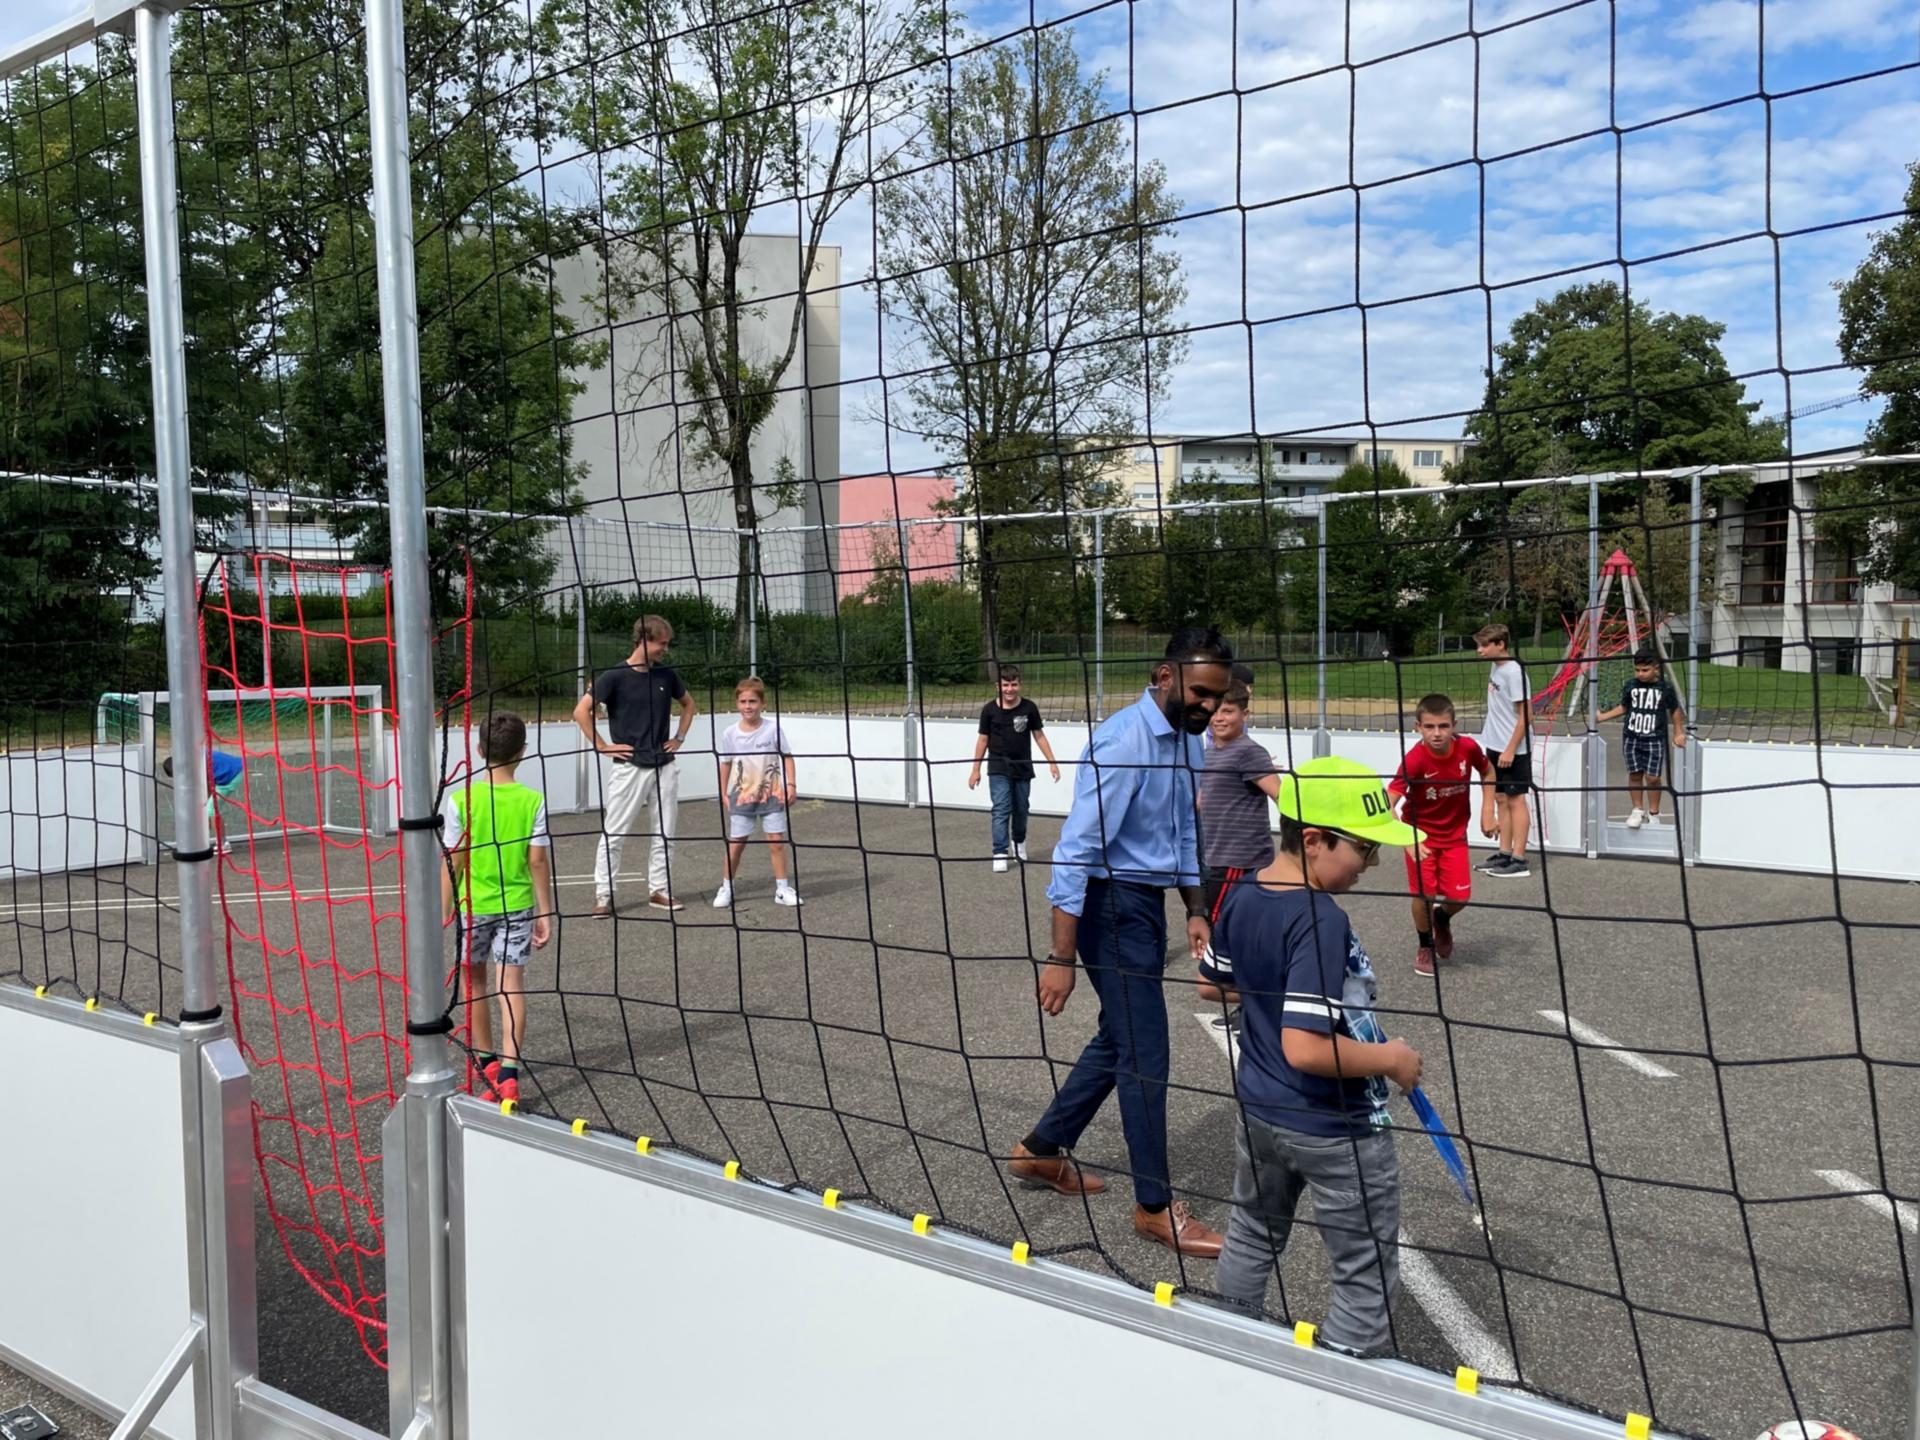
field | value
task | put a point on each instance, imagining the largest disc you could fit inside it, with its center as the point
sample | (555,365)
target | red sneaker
(1423,961)
(490,1081)
(1443,937)
(509,1089)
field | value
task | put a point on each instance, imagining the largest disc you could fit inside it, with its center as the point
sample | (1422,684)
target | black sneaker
(1496,864)
(1228,1023)
(1516,868)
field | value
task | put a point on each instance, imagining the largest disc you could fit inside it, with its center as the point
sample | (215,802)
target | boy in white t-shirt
(756,786)
(1507,737)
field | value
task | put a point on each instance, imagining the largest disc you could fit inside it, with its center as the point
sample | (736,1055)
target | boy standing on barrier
(639,695)
(1009,726)
(1652,707)
(1236,838)
(1128,839)
(501,856)
(1507,735)
(1314,1061)
(756,787)
(1432,789)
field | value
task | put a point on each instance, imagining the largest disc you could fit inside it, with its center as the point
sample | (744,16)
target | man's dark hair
(1646,655)
(1242,673)
(1199,642)
(502,738)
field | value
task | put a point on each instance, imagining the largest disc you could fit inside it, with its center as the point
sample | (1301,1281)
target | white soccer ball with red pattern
(1808,1430)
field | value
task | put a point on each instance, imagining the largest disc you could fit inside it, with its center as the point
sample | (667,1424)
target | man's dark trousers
(1123,946)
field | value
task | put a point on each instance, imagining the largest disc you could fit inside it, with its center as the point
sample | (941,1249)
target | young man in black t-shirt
(1009,725)
(640,696)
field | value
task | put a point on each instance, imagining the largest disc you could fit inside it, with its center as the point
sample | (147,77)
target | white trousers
(630,790)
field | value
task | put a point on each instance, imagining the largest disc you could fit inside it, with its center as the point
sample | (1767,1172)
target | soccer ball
(1808,1430)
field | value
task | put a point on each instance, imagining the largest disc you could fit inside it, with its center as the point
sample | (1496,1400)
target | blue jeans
(1123,945)
(1009,808)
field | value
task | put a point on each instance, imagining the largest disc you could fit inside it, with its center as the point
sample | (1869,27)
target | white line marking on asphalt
(1587,1035)
(1848,1183)
(1451,1315)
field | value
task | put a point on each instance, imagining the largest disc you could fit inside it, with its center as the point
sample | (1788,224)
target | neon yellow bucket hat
(1342,794)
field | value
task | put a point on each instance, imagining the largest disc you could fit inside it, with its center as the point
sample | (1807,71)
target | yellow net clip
(1303,1333)
(920,1224)
(39,992)
(579,1127)
(643,1145)
(831,1200)
(1163,1293)
(1467,1380)
(1638,1426)
(149,1018)
(509,1107)
(1021,1253)
(93,1002)
(732,1172)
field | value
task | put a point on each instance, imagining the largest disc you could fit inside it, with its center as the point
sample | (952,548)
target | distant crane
(1836,403)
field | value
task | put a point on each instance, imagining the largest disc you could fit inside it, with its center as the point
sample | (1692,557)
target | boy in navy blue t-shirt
(1314,1061)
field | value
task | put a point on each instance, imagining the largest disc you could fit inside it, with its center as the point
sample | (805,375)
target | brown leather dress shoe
(661,900)
(1176,1228)
(1052,1172)
(602,909)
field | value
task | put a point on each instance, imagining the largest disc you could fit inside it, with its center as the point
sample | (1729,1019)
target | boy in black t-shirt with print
(1652,708)
(1009,725)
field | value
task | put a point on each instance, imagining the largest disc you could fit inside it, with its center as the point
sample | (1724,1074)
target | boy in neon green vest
(499,851)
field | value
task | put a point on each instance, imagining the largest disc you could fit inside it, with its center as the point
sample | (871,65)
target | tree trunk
(989,610)
(746,522)
(1539,618)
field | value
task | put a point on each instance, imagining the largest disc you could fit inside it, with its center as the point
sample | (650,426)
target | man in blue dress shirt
(1128,839)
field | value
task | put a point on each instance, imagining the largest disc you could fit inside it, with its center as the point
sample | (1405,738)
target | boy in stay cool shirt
(1432,792)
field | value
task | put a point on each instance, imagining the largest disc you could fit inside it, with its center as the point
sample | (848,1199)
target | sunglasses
(1365,849)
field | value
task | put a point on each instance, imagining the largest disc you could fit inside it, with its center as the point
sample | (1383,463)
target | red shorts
(1440,872)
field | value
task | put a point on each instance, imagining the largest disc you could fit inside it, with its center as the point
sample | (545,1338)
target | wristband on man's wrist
(1053,959)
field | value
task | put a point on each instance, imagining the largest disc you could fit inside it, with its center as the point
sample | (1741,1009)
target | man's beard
(1191,718)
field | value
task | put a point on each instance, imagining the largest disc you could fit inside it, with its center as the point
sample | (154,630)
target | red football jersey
(1440,788)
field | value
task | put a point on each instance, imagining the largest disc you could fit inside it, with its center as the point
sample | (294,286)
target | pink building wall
(931,549)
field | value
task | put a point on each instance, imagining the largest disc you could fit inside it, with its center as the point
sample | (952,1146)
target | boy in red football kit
(1432,792)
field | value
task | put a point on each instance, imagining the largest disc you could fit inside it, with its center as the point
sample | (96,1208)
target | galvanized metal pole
(419,1338)
(913,707)
(1593,596)
(582,773)
(1320,634)
(1693,604)
(1099,617)
(220,1270)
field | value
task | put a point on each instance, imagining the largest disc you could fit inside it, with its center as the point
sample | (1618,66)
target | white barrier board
(1767,806)
(69,809)
(644,1277)
(95,1291)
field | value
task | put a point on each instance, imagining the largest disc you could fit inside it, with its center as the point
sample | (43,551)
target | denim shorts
(500,939)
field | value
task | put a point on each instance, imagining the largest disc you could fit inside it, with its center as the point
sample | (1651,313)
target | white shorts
(740,823)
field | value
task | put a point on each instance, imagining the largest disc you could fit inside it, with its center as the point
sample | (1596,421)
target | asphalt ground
(1672,1243)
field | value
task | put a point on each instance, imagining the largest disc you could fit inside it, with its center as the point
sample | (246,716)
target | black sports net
(875,349)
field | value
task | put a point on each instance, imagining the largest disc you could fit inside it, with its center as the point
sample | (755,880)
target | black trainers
(1515,868)
(1496,864)
(1229,1023)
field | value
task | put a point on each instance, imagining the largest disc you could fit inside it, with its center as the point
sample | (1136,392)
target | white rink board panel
(97,1206)
(645,1269)
(1765,806)
(73,809)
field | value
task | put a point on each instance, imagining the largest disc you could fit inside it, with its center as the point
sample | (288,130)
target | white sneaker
(787,895)
(999,864)
(1020,851)
(723,897)
(1636,818)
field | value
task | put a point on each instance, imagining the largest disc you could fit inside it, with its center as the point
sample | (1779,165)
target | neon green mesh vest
(497,821)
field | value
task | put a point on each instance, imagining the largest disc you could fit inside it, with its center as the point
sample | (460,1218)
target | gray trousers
(1356,1202)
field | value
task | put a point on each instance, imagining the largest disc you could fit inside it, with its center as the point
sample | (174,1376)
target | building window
(1146,494)
(1377,457)
(1310,457)
(1429,459)
(1143,454)
(1759,653)
(1763,549)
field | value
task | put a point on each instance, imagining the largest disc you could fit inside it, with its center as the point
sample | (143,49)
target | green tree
(1027,250)
(1393,562)
(1876,511)
(1586,382)
(708,115)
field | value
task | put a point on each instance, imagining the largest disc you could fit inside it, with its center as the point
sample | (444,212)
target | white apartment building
(1787,599)
(1296,465)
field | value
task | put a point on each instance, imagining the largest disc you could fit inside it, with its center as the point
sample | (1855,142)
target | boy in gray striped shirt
(1236,825)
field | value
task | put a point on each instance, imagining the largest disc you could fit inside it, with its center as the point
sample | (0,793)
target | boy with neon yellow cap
(1314,1061)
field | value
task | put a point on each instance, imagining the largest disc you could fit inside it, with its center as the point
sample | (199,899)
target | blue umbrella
(1442,1141)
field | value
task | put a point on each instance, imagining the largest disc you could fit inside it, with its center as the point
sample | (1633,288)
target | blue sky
(1547,72)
